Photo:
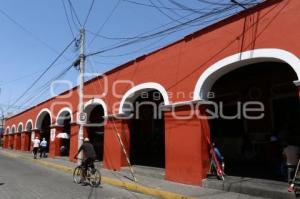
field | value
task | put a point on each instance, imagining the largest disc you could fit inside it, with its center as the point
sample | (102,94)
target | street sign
(81,118)
(52,135)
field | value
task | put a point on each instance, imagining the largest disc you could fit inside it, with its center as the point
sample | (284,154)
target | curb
(111,181)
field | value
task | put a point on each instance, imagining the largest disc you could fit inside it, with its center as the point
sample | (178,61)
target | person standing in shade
(43,148)
(219,156)
(291,154)
(36,145)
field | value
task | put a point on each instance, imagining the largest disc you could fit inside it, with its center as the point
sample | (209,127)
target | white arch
(20,124)
(65,109)
(27,123)
(142,87)
(13,127)
(7,132)
(43,111)
(220,68)
(97,101)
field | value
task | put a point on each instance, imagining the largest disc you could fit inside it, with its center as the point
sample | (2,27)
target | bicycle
(93,175)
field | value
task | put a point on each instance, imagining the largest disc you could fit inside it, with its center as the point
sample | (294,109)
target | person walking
(43,148)
(291,154)
(36,145)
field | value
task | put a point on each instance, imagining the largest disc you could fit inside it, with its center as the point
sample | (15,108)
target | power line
(163,32)
(73,11)
(240,4)
(89,12)
(163,37)
(171,11)
(169,30)
(20,78)
(105,21)
(136,36)
(223,4)
(161,7)
(163,13)
(42,89)
(67,17)
(137,50)
(190,9)
(11,19)
(156,28)
(41,75)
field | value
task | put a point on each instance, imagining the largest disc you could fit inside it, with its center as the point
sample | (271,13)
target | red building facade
(252,56)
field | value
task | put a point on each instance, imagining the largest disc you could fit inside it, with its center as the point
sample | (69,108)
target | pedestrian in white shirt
(36,145)
(43,148)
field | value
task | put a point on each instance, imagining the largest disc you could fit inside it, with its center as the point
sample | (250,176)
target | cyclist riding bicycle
(89,156)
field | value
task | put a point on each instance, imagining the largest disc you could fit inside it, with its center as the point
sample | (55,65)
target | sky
(34,32)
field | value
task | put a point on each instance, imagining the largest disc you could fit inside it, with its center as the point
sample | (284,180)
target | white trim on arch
(97,101)
(144,86)
(20,123)
(26,125)
(65,109)
(220,68)
(11,130)
(6,133)
(41,112)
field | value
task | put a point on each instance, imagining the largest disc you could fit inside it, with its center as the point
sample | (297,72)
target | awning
(63,135)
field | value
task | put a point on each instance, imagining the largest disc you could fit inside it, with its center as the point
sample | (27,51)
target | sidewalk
(147,184)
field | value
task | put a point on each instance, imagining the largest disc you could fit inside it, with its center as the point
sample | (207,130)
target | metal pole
(81,85)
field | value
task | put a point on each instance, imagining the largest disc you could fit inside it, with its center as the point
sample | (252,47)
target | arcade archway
(18,136)
(147,131)
(28,129)
(253,147)
(64,121)
(43,123)
(95,126)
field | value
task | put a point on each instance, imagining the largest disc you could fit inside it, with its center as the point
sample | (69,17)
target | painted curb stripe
(107,180)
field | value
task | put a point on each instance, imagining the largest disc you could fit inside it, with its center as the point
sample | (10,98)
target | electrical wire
(140,35)
(165,31)
(137,50)
(20,78)
(11,19)
(136,36)
(169,30)
(160,39)
(150,36)
(105,21)
(67,17)
(223,4)
(189,9)
(73,11)
(162,7)
(42,74)
(42,89)
(171,11)
(89,12)
(163,13)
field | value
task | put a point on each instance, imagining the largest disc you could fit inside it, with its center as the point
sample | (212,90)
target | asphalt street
(24,180)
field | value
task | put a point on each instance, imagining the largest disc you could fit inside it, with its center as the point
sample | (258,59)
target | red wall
(177,67)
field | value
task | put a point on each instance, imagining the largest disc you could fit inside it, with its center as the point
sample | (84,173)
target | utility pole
(81,85)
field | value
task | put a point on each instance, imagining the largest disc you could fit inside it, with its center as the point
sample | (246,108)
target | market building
(234,82)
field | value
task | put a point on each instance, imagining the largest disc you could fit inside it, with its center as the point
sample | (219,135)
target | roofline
(204,30)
